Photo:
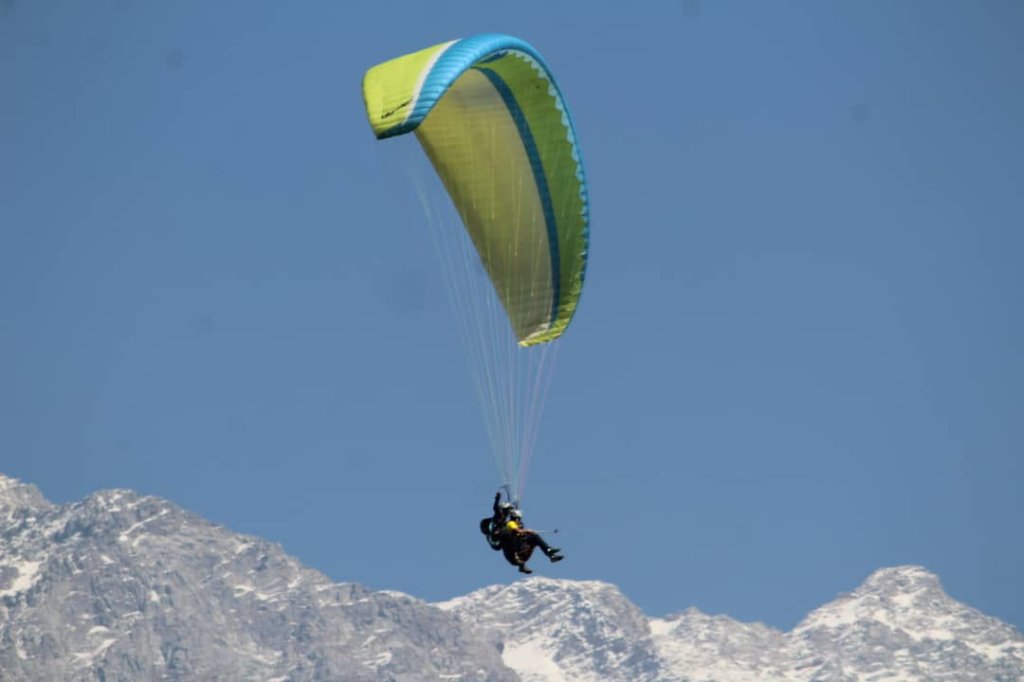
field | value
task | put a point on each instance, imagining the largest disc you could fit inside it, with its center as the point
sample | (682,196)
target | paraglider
(496,129)
(505,531)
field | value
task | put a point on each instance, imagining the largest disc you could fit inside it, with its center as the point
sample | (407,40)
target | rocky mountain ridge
(126,587)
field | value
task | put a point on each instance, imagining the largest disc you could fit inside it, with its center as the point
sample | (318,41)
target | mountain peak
(115,497)
(16,496)
(563,629)
(11,486)
(905,611)
(893,596)
(902,580)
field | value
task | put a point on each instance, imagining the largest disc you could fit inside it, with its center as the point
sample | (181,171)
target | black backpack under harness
(492,533)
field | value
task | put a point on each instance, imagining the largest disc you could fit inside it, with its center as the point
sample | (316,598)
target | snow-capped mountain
(565,630)
(124,587)
(898,626)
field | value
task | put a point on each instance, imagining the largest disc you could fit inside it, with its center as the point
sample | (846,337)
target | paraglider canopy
(493,122)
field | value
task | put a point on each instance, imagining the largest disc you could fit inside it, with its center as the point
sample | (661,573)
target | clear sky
(798,356)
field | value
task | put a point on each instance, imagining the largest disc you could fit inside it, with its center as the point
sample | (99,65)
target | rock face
(565,630)
(124,587)
(898,626)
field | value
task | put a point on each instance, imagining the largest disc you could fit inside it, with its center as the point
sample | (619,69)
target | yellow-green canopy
(493,122)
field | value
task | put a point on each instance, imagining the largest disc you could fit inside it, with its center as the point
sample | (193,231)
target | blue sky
(797,358)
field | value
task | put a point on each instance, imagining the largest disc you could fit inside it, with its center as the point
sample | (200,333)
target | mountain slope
(125,587)
(563,629)
(898,625)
